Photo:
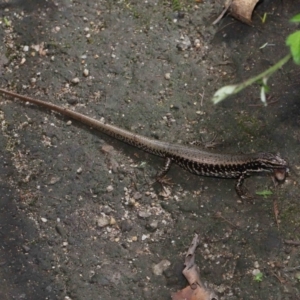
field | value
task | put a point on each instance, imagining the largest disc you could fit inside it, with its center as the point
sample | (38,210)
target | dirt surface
(79,218)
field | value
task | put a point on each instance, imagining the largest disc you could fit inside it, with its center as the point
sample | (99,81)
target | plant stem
(264,74)
(232,89)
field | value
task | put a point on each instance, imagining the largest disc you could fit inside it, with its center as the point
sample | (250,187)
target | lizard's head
(275,163)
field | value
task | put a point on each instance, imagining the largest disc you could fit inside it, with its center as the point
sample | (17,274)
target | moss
(291,214)
(176,5)
(132,9)
(249,124)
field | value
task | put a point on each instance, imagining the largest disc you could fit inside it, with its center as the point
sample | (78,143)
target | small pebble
(36,47)
(145,236)
(153,196)
(44,220)
(167,76)
(152,226)
(107,149)
(25,248)
(184,43)
(131,202)
(103,221)
(53,180)
(255,272)
(75,80)
(106,209)
(79,170)
(109,188)
(197,43)
(72,100)
(26,48)
(137,196)
(60,230)
(112,221)
(297,276)
(144,214)
(85,72)
(162,266)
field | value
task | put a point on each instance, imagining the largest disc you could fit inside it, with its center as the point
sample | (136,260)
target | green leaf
(295,19)
(263,97)
(264,193)
(258,277)
(293,40)
(7,22)
(224,92)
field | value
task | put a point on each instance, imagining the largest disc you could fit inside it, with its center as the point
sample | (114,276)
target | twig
(291,242)
(222,14)
(280,279)
(219,215)
(202,96)
(291,269)
(225,26)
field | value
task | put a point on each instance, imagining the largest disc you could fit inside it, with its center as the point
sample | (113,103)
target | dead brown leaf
(196,290)
(192,294)
(241,9)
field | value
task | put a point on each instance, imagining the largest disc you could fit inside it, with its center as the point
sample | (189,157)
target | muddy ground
(79,218)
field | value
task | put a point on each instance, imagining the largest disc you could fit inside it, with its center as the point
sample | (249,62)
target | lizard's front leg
(241,190)
(160,176)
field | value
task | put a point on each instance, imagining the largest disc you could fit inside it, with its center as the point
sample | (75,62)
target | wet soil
(79,218)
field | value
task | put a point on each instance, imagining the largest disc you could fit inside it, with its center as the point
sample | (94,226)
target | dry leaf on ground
(196,289)
(241,9)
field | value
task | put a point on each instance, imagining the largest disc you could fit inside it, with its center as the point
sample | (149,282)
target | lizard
(190,158)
